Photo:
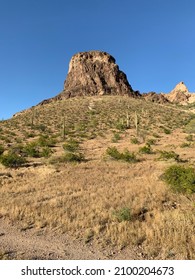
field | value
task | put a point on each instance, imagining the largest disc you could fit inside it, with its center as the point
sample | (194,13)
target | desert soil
(35,244)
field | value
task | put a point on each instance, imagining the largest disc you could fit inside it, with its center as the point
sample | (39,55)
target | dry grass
(82,198)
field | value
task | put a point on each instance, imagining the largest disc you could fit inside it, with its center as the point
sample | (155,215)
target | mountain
(94,73)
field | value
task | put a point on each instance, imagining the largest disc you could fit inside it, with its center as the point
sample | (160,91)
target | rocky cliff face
(94,73)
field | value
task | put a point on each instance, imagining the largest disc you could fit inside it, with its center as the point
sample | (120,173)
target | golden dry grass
(82,198)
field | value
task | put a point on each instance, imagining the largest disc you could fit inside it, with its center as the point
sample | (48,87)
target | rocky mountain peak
(94,73)
(180,87)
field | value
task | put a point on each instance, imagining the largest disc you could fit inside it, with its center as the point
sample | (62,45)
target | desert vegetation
(116,175)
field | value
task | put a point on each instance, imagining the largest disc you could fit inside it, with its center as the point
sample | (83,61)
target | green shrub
(116,137)
(151,142)
(125,156)
(189,138)
(165,155)
(71,145)
(146,149)
(1,149)
(113,153)
(134,140)
(184,145)
(128,156)
(73,157)
(46,141)
(12,160)
(31,149)
(46,152)
(123,214)
(190,127)
(166,130)
(180,178)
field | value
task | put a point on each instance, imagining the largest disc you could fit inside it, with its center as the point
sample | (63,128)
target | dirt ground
(40,244)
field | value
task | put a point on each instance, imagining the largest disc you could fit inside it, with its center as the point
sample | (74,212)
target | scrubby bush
(134,140)
(1,149)
(180,178)
(123,214)
(166,155)
(73,157)
(46,141)
(71,145)
(116,137)
(189,138)
(31,149)
(12,160)
(146,149)
(125,156)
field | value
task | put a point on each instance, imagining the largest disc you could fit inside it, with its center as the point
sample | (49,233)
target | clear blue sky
(153,42)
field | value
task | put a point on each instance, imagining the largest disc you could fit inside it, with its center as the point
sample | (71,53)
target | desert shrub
(71,145)
(73,157)
(145,149)
(17,149)
(134,140)
(128,156)
(113,153)
(123,214)
(189,138)
(1,149)
(12,160)
(151,141)
(121,126)
(185,145)
(116,137)
(46,152)
(166,130)
(31,149)
(125,156)
(180,178)
(190,127)
(46,141)
(166,155)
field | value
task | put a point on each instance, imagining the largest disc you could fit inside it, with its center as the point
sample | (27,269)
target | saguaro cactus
(136,122)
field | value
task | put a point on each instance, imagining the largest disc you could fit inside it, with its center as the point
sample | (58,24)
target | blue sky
(153,42)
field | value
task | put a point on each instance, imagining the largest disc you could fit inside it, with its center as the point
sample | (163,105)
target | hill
(93,170)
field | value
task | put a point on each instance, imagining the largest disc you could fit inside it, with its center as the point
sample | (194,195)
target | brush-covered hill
(107,170)
(92,168)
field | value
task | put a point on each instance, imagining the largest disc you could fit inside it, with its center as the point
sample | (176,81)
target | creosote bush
(124,156)
(180,179)
(146,149)
(166,155)
(123,214)
(71,145)
(1,149)
(12,160)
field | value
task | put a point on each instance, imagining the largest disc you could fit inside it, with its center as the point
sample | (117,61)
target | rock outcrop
(180,95)
(155,97)
(94,73)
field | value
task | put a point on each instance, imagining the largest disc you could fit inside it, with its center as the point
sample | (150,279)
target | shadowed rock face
(94,73)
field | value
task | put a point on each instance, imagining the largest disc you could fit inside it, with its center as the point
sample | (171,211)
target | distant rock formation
(180,95)
(94,73)
(155,97)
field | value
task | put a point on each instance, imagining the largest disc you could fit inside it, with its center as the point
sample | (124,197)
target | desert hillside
(100,170)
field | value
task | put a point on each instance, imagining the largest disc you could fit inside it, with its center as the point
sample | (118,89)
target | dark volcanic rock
(94,73)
